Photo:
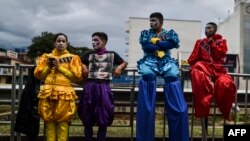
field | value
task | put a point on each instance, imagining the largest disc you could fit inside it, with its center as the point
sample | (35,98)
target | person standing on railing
(209,78)
(57,97)
(156,44)
(96,105)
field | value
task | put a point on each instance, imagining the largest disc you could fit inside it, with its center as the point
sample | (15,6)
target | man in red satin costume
(208,76)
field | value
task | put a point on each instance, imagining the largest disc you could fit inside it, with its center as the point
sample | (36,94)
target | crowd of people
(56,71)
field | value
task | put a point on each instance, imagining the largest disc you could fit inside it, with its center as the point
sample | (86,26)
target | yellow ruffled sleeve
(42,69)
(76,67)
(66,73)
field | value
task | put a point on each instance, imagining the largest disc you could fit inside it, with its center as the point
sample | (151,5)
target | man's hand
(210,40)
(85,70)
(118,71)
(155,40)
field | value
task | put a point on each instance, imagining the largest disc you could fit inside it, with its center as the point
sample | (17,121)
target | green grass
(76,129)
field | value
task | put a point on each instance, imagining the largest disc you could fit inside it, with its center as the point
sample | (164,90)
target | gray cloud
(23,19)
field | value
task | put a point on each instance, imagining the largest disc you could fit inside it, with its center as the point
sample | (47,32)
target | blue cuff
(148,47)
(165,45)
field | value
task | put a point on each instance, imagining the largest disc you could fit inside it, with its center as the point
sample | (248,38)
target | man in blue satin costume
(156,44)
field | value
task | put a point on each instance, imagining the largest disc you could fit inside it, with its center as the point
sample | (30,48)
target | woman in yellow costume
(57,96)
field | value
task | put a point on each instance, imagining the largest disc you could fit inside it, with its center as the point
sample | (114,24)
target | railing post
(20,90)
(13,104)
(132,98)
(246,113)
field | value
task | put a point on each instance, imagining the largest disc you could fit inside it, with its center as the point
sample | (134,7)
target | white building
(236,29)
(188,30)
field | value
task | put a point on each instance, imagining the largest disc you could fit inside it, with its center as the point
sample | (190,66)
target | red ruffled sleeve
(219,49)
(195,55)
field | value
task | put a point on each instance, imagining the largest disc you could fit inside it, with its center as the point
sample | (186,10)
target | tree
(40,44)
(77,50)
(44,44)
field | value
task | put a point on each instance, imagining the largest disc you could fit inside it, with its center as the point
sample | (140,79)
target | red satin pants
(208,82)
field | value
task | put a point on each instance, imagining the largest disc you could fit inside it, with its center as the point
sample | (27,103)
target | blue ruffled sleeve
(145,37)
(145,41)
(173,37)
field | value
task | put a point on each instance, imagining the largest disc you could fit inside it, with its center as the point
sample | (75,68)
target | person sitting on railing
(96,105)
(206,68)
(57,97)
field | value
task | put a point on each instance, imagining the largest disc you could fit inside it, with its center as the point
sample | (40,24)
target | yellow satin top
(57,82)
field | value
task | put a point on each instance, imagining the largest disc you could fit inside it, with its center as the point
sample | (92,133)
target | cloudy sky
(21,20)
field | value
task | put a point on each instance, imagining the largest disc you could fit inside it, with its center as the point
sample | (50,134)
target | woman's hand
(52,62)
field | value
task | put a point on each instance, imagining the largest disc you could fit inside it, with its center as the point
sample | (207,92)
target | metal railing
(20,87)
(245,92)
(133,92)
(13,98)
